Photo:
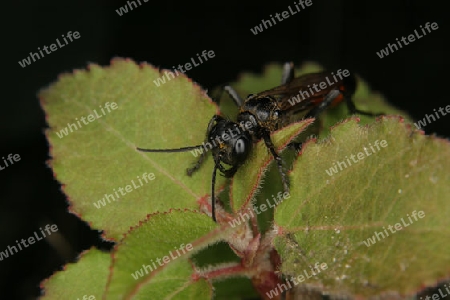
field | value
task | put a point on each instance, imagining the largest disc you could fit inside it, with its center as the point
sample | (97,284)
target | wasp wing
(299,94)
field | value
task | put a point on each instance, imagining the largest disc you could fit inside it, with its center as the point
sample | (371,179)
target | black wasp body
(262,113)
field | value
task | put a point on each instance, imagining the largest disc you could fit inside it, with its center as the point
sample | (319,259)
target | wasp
(262,113)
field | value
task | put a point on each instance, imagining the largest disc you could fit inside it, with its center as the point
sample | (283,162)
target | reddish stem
(230,271)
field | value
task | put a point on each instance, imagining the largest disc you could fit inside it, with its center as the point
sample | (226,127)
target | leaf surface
(152,261)
(98,164)
(87,277)
(331,218)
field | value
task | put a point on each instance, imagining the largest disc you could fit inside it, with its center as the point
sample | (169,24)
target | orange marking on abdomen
(337,100)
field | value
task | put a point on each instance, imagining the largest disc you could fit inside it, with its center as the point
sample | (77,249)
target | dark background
(335,34)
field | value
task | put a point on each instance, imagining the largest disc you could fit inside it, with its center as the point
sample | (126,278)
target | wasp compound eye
(241,149)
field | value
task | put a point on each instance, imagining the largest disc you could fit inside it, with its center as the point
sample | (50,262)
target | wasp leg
(230,172)
(296,146)
(269,144)
(313,113)
(288,73)
(197,165)
(353,110)
(201,159)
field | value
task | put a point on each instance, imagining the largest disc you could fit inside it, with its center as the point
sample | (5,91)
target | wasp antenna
(183,149)
(213,196)
(234,95)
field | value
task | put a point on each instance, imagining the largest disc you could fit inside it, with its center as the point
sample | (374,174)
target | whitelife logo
(48,228)
(322,85)
(236,222)
(10,158)
(398,227)
(224,137)
(91,118)
(188,66)
(144,270)
(284,287)
(284,15)
(123,9)
(110,197)
(442,295)
(423,122)
(27,61)
(360,157)
(411,38)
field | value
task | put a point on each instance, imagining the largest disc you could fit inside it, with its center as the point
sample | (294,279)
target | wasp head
(232,144)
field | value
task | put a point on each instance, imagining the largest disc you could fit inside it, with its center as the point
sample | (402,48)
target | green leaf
(88,276)
(245,182)
(329,218)
(101,158)
(152,260)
